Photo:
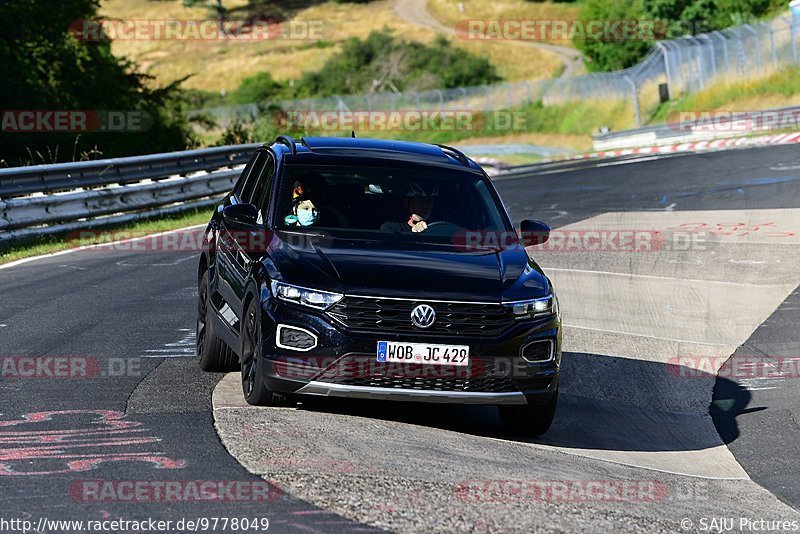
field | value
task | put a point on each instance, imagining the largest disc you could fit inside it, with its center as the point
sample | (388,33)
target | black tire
(253,387)
(212,353)
(529,420)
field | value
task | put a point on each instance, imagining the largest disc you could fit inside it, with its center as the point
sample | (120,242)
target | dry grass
(714,98)
(448,12)
(216,66)
(515,62)
(776,90)
(762,102)
(578,143)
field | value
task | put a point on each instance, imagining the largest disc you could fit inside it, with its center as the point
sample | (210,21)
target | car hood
(369,267)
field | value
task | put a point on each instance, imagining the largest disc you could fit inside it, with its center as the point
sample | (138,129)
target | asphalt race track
(711,287)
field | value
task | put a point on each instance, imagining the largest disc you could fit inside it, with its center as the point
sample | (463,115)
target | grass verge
(54,243)
(781,89)
(565,125)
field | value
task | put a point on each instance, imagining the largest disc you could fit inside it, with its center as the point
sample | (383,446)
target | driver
(418,202)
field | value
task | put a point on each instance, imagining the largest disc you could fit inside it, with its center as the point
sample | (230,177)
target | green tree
(611,54)
(672,18)
(682,17)
(46,67)
(257,88)
(383,63)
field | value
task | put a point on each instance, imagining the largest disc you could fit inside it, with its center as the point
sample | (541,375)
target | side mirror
(533,232)
(242,216)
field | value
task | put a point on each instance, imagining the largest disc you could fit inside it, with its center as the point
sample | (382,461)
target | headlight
(534,308)
(312,298)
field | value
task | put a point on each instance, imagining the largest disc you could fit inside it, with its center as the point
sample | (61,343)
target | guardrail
(48,199)
(675,133)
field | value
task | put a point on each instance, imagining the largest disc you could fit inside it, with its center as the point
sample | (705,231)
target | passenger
(304,211)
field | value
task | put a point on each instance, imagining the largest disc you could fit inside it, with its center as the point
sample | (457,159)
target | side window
(263,190)
(254,179)
(240,183)
(249,178)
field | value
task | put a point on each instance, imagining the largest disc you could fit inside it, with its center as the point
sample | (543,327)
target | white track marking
(166,356)
(748,262)
(566,325)
(651,276)
(125,263)
(87,247)
(183,348)
(628,161)
(74,267)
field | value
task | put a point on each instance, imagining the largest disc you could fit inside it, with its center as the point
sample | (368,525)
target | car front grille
(364,370)
(382,315)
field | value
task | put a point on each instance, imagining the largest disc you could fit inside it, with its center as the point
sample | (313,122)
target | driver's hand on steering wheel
(417,224)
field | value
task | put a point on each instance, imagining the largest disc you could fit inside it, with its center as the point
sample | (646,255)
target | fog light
(538,351)
(295,338)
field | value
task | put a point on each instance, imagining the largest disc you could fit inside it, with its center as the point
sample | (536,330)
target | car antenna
(353,134)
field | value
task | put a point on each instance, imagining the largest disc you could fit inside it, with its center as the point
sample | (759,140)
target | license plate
(399,352)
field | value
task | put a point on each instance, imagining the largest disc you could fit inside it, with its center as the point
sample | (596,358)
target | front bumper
(344,364)
(328,389)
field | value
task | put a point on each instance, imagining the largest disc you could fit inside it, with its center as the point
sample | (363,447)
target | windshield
(388,203)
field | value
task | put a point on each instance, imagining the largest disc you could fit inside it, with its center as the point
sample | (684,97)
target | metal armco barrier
(47,199)
(665,134)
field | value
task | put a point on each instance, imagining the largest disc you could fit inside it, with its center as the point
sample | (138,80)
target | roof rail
(288,141)
(455,153)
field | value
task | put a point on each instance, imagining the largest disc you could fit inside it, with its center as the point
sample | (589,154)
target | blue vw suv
(378,269)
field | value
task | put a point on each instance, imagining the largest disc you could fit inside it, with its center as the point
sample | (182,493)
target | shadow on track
(730,401)
(606,403)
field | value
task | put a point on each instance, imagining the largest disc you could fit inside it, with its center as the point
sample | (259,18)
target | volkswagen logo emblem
(423,316)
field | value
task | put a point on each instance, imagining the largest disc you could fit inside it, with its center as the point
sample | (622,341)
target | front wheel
(254,389)
(212,353)
(529,420)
